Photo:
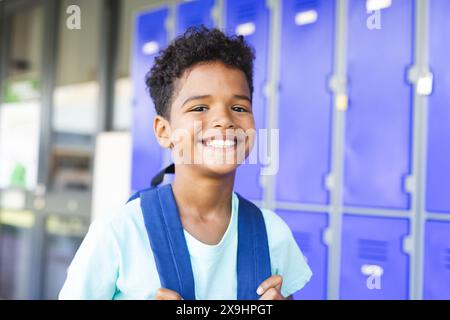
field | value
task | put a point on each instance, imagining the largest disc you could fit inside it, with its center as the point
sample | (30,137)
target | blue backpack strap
(138,194)
(253,257)
(172,258)
(167,240)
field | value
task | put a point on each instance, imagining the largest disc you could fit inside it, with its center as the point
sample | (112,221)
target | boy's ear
(162,130)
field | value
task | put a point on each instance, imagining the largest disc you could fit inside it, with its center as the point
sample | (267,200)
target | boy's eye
(239,109)
(199,108)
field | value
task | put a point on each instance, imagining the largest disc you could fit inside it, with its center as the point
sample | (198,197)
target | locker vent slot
(374,250)
(246,12)
(447,258)
(302,5)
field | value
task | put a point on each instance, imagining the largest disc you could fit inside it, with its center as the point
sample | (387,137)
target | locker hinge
(327,236)
(338,85)
(271,3)
(270,88)
(410,184)
(330,181)
(408,244)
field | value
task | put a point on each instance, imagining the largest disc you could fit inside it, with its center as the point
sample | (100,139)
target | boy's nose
(222,119)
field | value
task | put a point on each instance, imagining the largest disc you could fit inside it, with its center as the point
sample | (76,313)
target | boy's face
(211,122)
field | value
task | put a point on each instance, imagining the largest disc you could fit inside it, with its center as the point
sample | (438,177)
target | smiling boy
(202,86)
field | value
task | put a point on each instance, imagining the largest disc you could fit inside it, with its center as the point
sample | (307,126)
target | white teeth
(220,143)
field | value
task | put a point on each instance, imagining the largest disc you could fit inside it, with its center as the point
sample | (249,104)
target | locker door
(378,130)
(149,37)
(437,260)
(194,13)
(373,264)
(251,19)
(308,229)
(305,103)
(438,171)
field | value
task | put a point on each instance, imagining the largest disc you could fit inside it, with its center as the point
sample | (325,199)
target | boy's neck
(202,195)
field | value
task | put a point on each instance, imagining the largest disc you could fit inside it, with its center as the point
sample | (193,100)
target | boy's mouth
(222,149)
(220,142)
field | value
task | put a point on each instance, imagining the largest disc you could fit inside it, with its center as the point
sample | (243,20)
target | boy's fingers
(167,294)
(272,282)
(271,294)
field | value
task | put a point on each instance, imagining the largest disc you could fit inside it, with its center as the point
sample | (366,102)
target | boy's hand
(270,289)
(167,294)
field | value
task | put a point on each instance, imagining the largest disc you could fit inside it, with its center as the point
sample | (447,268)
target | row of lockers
(378,132)
(374,264)
(379,122)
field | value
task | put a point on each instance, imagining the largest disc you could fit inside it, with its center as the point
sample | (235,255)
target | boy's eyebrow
(195,98)
(239,96)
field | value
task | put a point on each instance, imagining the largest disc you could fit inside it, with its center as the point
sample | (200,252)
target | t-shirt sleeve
(94,269)
(286,256)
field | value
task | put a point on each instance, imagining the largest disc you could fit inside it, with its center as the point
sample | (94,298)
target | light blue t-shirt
(115,260)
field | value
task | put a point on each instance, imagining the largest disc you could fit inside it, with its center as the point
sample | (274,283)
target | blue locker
(150,37)
(305,102)
(438,153)
(251,18)
(194,13)
(437,260)
(373,264)
(308,229)
(379,125)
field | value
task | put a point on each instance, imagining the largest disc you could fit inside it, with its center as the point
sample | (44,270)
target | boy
(202,86)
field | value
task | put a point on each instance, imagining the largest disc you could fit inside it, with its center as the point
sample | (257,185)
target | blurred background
(360,92)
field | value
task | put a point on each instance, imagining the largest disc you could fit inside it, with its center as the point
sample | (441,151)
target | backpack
(168,243)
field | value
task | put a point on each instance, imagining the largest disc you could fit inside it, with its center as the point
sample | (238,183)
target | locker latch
(423,81)
(424,85)
(338,85)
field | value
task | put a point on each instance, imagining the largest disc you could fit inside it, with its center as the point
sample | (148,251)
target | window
(74,121)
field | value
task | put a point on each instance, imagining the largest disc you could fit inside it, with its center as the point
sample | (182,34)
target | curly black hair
(196,45)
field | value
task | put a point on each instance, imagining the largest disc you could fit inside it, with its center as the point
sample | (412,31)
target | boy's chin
(219,169)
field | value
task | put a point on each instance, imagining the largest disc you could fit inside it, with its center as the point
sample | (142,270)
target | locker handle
(375,5)
(306,17)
